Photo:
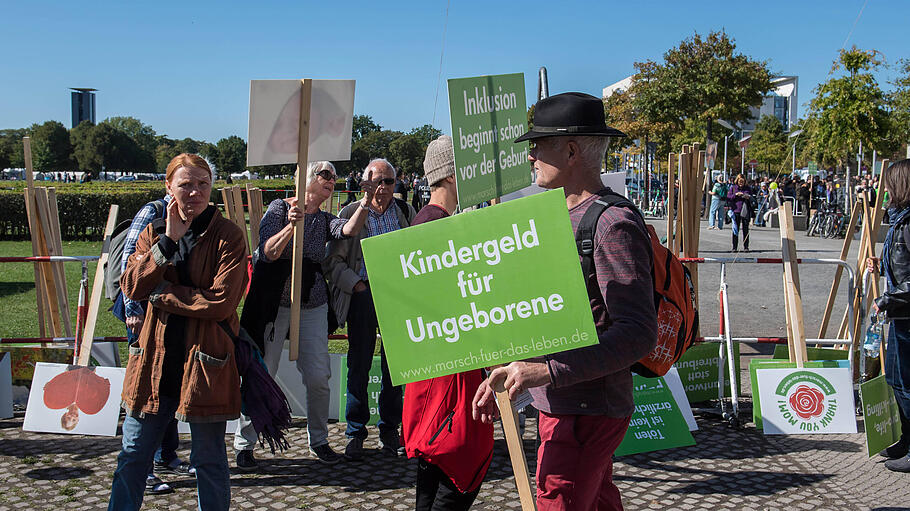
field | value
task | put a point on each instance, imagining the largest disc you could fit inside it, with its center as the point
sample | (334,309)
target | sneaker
(325,454)
(246,461)
(899,465)
(175,466)
(354,450)
(389,444)
(155,486)
(898,450)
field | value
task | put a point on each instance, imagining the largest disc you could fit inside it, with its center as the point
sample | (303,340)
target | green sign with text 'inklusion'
(488,113)
(480,288)
(657,422)
(881,418)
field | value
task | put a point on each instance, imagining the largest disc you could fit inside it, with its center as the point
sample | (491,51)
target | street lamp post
(732,129)
(793,135)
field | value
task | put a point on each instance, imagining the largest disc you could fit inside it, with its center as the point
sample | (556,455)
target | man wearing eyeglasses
(349,286)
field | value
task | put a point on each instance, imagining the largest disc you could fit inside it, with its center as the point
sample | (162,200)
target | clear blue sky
(184,67)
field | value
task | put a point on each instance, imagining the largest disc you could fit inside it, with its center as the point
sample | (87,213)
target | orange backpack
(674,293)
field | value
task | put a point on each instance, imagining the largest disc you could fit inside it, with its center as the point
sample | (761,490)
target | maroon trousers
(575,462)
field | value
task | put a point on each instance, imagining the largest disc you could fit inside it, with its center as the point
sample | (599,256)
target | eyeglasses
(326,174)
(388,181)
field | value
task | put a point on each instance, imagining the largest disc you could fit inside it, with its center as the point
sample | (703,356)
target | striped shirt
(380,224)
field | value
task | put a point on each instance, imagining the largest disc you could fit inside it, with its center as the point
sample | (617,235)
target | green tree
(164,153)
(363,125)
(899,101)
(143,134)
(769,144)
(11,148)
(106,148)
(230,156)
(849,110)
(51,148)
(703,79)
(375,144)
(406,153)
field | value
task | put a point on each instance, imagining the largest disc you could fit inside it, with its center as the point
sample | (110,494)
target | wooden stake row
(683,238)
(50,279)
(233,210)
(796,333)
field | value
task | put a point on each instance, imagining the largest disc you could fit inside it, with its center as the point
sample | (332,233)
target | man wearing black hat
(584,395)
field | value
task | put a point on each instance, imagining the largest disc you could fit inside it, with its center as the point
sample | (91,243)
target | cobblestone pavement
(726,469)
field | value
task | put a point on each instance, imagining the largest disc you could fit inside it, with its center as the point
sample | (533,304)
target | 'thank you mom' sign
(478,289)
(488,113)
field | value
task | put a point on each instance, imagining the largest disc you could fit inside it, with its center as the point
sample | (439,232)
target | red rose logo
(807,402)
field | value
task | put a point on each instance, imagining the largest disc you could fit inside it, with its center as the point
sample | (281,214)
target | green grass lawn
(18,304)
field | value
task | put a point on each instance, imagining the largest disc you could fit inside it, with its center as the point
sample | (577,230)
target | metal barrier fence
(726,339)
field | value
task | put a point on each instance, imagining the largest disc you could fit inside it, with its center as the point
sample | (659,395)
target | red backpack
(674,294)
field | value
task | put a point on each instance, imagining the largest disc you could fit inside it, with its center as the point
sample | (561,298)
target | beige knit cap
(439,162)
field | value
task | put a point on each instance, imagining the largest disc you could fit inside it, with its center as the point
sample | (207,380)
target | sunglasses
(326,174)
(388,181)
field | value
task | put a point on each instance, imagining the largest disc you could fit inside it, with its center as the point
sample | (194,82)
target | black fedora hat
(570,114)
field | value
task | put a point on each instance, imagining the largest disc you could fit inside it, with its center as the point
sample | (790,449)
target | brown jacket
(217,265)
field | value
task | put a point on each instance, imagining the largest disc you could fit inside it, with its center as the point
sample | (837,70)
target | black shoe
(899,465)
(325,454)
(389,444)
(155,486)
(175,466)
(354,450)
(246,461)
(898,450)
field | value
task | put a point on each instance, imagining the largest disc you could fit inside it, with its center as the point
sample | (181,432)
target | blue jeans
(897,363)
(167,451)
(716,214)
(362,328)
(143,435)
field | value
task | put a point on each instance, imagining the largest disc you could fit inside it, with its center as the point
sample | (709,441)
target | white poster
(673,381)
(74,399)
(806,401)
(275,121)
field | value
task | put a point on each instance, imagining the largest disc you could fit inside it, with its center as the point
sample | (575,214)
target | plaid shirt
(380,224)
(140,221)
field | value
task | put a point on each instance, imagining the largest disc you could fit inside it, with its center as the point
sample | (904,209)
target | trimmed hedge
(83,207)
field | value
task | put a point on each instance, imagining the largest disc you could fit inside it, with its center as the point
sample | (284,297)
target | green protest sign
(478,289)
(374,385)
(880,415)
(488,113)
(758,363)
(698,371)
(657,422)
(781,352)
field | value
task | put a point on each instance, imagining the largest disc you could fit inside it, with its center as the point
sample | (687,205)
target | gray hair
(379,160)
(593,150)
(315,168)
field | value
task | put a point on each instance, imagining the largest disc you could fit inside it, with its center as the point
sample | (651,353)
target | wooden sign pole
(53,216)
(254,205)
(516,449)
(40,291)
(671,199)
(303,142)
(54,270)
(237,214)
(228,198)
(85,349)
(791,287)
(832,295)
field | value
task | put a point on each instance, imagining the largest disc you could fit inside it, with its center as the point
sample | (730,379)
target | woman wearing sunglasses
(266,313)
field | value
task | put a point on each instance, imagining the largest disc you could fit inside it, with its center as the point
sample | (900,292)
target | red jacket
(439,428)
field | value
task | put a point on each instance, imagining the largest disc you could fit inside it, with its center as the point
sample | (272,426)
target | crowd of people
(737,201)
(185,272)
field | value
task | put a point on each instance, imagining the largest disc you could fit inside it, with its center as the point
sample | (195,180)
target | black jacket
(896,301)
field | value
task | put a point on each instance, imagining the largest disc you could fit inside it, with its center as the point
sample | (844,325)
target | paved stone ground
(726,469)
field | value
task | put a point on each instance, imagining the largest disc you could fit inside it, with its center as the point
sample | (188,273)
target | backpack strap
(584,234)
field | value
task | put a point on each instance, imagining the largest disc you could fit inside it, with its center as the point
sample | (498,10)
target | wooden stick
(671,199)
(228,198)
(52,284)
(879,215)
(845,249)
(237,213)
(85,350)
(254,205)
(53,216)
(303,142)
(40,292)
(516,451)
(791,284)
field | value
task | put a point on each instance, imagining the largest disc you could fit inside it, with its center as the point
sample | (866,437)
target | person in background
(352,186)
(718,198)
(453,450)
(764,199)
(267,313)
(401,187)
(739,197)
(349,291)
(193,273)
